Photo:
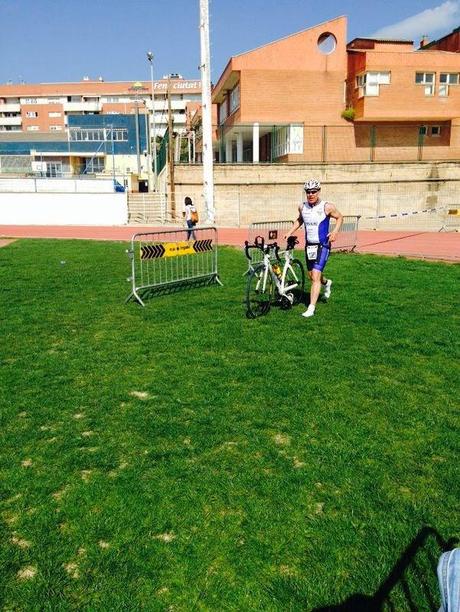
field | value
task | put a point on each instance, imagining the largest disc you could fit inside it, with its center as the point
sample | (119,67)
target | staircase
(147,208)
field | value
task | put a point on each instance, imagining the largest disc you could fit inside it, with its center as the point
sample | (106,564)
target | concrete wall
(63,209)
(245,194)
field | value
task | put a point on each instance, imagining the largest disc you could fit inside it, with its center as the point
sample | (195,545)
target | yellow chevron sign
(174,249)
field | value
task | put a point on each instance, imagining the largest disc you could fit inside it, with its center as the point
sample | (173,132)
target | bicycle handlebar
(259,243)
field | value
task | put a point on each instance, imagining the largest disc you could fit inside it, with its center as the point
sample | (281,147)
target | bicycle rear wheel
(295,275)
(258,296)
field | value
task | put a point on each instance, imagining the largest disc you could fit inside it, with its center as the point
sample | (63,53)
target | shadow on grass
(410,585)
(148,293)
(412,579)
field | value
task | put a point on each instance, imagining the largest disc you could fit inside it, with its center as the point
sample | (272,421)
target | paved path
(443,246)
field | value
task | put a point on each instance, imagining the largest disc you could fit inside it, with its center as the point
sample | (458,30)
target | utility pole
(208,177)
(153,139)
(138,154)
(171,154)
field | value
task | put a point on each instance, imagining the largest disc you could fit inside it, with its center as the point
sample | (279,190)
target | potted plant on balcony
(348,114)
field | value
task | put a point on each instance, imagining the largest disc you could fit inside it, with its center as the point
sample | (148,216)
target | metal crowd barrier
(451,220)
(347,237)
(166,261)
(272,231)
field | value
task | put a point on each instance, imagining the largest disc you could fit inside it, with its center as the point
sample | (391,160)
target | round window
(327,43)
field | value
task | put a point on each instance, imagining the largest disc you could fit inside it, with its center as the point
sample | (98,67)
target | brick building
(311,97)
(45,107)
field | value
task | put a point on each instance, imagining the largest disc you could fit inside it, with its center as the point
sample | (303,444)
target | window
(31,114)
(223,111)
(433,130)
(327,43)
(33,128)
(235,98)
(29,101)
(369,83)
(53,169)
(427,80)
(118,134)
(95,164)
(446,79)
(287,139)
(55,128)
(54,114)
(80,134)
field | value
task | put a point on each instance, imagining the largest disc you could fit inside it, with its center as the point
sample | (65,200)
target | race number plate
(312,251)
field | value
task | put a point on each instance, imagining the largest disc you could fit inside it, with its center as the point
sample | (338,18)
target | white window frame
(428,85)
(435,131)
(235,99)
(53,169)
(33,128)
(98,134)
(369,82)
(446,80)
(31,114)
(55,128)
(223,111)
(54,114)
(287,139)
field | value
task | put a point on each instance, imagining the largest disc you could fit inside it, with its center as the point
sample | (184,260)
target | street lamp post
(153,140)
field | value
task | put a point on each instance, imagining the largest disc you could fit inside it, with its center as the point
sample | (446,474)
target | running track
(443,246)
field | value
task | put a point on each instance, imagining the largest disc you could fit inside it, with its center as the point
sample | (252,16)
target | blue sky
(64,40)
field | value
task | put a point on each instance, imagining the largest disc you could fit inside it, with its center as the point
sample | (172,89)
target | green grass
(182,457)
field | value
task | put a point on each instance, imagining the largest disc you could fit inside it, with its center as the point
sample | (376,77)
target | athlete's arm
(332,211)
(296,224)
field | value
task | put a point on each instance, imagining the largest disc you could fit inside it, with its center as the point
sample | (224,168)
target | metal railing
(350,143)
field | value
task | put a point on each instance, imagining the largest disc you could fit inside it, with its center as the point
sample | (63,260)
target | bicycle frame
(280,283)
(271,281)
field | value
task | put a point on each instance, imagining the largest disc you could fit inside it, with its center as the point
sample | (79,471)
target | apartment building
(313,97)
(46,107)
(113,145)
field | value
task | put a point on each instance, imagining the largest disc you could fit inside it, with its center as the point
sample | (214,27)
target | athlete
(315,215)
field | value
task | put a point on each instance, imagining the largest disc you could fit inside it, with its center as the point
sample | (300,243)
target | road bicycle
(272,282)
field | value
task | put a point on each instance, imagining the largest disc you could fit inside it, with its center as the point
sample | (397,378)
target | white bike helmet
(312,184)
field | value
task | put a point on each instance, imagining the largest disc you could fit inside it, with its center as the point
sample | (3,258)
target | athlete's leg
(315,277)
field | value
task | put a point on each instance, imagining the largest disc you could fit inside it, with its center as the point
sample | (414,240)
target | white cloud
(440,19)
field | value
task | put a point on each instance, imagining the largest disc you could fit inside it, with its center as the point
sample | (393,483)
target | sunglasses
(310,191)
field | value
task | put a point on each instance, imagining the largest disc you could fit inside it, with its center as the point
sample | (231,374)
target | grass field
(182,457)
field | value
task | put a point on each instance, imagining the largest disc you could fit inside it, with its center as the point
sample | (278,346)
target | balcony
(10,120)
(82,106)
(10,107)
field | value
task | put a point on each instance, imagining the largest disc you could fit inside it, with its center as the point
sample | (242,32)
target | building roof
(433,43)
(87,87)
(274,42)
(365,44)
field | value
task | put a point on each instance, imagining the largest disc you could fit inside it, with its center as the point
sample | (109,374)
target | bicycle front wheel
(259,292)
(295,278)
